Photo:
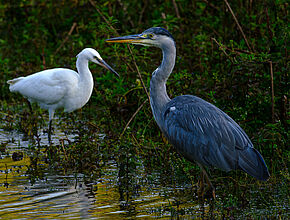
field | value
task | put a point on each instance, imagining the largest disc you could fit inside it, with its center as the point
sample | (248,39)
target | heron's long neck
(158,94)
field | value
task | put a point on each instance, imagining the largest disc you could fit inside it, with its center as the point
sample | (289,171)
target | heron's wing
(47,87)
(203,133)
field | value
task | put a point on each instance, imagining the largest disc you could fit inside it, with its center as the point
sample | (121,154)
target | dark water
(113,195)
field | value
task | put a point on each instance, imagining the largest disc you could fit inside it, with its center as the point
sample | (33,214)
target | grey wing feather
(202,132)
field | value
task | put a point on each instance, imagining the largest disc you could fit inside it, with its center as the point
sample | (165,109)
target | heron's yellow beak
(141,39)
(126,39)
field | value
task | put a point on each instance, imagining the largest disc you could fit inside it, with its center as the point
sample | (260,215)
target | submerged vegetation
(232,54)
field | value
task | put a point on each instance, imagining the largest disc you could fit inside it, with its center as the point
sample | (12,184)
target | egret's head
(155,36)
(93,55)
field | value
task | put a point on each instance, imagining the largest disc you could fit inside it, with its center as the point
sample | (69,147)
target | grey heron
(198,130)
(60,87)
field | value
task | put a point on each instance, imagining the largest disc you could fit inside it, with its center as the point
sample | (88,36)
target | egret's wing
(47,87)
(204,133)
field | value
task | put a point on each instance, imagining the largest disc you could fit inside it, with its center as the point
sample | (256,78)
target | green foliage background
(213,60)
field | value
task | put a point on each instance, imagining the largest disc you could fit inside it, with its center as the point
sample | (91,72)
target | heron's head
(155,36)
(93,55)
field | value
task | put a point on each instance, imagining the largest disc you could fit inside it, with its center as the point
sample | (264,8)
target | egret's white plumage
(60,87)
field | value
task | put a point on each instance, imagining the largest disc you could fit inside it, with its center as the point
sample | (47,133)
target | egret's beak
(134,39)
(105,65)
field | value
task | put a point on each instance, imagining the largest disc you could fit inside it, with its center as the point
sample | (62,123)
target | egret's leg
(29,105)
(49,131)
(51,113)
(204,174)
(32,119)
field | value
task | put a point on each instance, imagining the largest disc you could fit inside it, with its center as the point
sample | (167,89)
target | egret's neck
(85,75)
(158,94)
(86,82)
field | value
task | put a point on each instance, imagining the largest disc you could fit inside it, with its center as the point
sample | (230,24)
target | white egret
(60,87)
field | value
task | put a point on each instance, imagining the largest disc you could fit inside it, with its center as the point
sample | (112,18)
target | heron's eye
(151,35)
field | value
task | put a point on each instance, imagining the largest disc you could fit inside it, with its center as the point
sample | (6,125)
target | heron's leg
(204,174)
(200,190)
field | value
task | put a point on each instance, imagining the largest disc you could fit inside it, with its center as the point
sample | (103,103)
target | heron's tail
(252,162)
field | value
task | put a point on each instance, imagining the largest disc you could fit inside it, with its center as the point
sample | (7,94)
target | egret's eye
(95,57)
(150,35)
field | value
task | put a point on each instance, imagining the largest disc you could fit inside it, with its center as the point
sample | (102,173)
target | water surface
(31,188)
